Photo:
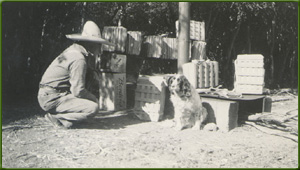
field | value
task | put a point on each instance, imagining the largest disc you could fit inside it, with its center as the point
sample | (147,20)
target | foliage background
(33,34)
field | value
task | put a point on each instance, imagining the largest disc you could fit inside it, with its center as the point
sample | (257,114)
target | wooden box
(199,50)
(202,74)
(197,30)
(153,46)
(112,62)
(134,42)
(112,91)
(169,48)
(222,112)
(117,36)
(150,98)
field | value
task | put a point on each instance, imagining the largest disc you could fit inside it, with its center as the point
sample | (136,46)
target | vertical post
(83,14)
(183,35)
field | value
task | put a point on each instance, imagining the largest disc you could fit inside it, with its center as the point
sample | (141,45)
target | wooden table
(227,112)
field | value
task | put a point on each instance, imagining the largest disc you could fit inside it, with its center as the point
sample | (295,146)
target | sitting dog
(188,109)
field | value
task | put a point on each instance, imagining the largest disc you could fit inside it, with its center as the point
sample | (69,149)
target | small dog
(188,108)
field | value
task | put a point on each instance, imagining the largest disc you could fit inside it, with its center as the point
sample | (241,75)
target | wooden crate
(112,62)
(199,50)
(197,30)
(134,42)
(249,74)
(202,74)
(115,35)
(153,46)
(169,48)
(150,98)
(112,91)
(222,112)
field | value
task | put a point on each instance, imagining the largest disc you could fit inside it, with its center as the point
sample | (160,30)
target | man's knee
(93,108)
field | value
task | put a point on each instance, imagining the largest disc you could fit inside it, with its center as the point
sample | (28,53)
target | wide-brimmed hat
(91,32)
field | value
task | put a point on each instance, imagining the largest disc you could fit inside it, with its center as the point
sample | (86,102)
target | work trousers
(65,105)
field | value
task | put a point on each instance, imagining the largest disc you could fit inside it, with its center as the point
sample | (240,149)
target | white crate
(249,74)
(150,98)
(249,89)
(248,71)
(202,74)
(250,80)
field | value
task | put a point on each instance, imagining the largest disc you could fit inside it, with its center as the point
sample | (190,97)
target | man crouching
(63,90)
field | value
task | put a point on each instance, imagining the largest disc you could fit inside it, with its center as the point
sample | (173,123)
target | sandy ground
(125,142)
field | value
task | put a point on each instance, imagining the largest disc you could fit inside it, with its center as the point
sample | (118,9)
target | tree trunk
(232,43)
(293,68)
(84,8)
(228,66)
(172,18)
(207,25)
(249,39)
(211,24)
(283,60)
(271,54)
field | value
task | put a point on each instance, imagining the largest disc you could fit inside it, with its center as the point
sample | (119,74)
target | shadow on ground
(112,121)
(27,107)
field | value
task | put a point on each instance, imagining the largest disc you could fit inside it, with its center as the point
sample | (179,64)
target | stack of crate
(197,30)
(156,46)
(112,66)
(201,72)
(197,40)
(161,47)
(150,98)
(133,50)
(249,74)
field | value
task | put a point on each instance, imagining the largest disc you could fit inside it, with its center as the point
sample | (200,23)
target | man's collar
(82,49)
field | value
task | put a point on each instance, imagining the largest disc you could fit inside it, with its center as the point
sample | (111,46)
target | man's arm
(77,80)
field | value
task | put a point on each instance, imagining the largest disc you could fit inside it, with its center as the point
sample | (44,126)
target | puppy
(188,109)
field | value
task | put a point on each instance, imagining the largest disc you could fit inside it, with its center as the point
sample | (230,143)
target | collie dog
(188,109)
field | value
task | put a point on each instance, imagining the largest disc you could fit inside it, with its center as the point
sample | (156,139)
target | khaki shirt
(68,70)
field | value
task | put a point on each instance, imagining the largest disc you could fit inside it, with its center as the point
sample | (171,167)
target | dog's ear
(165,80)
(168,80)
(186,88)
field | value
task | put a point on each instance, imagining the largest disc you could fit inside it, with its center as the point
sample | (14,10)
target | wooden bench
(227,112)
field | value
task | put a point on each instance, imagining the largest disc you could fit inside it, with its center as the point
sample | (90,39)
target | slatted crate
(150,98)
(115,35)
(112,62)
(153,46)
(197,30)
(202,74)
(134,42)
(249,74)
(112,90)
(199,50)
(170,48)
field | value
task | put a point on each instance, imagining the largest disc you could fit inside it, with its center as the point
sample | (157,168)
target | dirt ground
(123,141)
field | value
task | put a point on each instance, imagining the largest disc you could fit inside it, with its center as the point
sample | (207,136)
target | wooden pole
(183,35)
